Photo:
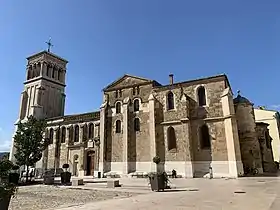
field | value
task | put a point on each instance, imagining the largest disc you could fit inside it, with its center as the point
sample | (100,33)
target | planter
(65,177)
(5,202)
(48,180)
(158,182)
(14,178)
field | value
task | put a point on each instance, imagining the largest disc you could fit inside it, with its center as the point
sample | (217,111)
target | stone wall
(249,144)
(265,147)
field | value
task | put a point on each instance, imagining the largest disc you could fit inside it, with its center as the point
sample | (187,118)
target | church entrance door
(90,163)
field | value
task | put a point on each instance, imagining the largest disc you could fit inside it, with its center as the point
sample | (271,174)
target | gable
(127,81)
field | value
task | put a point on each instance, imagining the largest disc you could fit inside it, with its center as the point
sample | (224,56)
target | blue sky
(104,39)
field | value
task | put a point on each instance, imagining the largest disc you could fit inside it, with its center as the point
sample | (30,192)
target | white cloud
(275,106)
(4,142)
(5,145)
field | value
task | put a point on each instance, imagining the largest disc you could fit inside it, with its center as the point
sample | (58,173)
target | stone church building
(191,125)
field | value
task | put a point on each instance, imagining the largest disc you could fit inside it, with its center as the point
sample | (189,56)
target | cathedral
(196,127)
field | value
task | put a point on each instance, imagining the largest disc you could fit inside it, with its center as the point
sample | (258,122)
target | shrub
(6,188)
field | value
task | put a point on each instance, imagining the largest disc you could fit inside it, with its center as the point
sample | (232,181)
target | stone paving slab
(235,194)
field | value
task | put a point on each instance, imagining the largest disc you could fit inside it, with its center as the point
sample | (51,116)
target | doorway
(90,163)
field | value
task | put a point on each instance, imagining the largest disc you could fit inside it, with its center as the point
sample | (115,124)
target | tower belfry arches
(43,94)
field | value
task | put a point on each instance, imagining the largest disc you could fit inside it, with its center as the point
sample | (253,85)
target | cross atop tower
(49,45)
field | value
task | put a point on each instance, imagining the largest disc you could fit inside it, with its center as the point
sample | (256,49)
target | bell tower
(43,94)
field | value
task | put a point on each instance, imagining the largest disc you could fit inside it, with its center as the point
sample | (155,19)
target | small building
(272,118)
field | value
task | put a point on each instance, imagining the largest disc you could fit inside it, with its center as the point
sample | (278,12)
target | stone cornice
(44,78)
(184,120)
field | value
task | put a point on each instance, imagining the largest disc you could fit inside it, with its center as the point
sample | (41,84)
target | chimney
(171,79)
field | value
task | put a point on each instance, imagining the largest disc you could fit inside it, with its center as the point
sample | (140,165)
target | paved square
(191,194)
(199,194)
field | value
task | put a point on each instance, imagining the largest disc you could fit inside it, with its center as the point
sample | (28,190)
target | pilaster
(42,69)
(21,114)
(55,147)
(152,130)
(82,161)
(67,135)
(81,132)
(187,133)
(232,139)
(125,134)
(102,161)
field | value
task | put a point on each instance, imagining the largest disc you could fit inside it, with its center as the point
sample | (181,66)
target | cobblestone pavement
(39,197)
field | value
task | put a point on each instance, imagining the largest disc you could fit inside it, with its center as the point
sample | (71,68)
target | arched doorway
(90,163)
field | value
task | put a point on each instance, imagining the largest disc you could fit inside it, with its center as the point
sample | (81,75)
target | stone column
(102,162)
(23,104)
(27,72)
(63,96)
(51,153)
(152,130)
(63,75)
(232,140)
(82,161)
(125,135)
(42,69)
(81,132)
(67,135)
(97,154)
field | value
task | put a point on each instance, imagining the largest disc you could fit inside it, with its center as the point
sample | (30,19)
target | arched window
(136,124)
(58,135)
(53,72)
(171,138)
(118,126)
(170,101)
(29,74)
(136,105)
(91,131)
(85,136)
(71,134)
(63,134)
(51,136)
(58,74)
(133,91)
(204,137)
(76,135)
(48,70)
(201,96)
(118,107)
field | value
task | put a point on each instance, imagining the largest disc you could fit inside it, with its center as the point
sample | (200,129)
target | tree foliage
(6,188)
(29,141)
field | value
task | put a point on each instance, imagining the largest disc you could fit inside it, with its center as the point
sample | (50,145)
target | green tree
(29,142)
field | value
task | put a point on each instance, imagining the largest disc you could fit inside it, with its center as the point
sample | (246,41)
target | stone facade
(195,127)
(265,146)
(272,118)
